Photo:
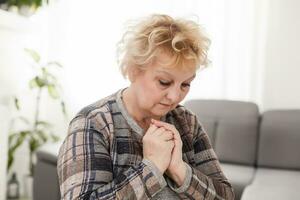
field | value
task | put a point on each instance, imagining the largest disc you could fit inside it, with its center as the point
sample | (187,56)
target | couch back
(279,139)
(232,127)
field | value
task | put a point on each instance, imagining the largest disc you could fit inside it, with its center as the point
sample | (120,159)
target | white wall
(281,86)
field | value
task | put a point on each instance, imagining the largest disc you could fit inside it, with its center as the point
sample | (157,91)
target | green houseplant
(23,7)
(30,3)
(36,131)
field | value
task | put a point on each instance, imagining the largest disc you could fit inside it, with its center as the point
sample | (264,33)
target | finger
(159,131)
(177,138)
(162,124)
(166,126)
(167,135)
(170,144)
(152,128)
(159,123)
(176,135)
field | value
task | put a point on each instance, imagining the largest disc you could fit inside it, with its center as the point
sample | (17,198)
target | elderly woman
(139,143)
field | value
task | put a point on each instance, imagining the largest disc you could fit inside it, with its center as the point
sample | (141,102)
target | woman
(139,143)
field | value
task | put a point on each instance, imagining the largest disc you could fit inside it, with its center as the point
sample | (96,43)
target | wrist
(178,174)
(157,165)
(155,171)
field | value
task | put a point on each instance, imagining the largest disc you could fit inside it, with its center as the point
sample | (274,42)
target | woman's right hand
(157,146)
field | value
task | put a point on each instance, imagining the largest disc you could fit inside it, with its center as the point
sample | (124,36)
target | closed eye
(164,83)
(185,85)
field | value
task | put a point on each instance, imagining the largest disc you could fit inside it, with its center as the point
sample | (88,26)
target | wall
(281,86)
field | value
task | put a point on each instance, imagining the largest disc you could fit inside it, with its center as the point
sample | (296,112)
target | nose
(174,94)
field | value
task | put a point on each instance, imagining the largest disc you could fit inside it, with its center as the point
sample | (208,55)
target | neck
(134,111)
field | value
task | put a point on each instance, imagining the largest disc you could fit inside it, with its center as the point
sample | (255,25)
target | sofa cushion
(235,141)
(279,139)
(209,126)
(235,126)
(273,184)
(239,176)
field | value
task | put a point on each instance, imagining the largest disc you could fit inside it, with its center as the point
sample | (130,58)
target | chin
(160,113)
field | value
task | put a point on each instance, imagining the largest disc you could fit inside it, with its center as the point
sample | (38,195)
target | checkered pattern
(101,158)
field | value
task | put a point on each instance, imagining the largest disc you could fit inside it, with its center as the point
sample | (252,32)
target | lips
(167,105)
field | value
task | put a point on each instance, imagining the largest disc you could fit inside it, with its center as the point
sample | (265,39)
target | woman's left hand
(177,167)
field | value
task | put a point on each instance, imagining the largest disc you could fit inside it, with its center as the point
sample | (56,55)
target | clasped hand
(162,145)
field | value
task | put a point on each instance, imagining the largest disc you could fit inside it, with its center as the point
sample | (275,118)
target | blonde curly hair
(184,40)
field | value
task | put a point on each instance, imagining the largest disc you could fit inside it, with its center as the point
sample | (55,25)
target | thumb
(151,129)
(158,123)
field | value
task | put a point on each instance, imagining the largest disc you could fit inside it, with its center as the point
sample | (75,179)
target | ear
(133,72)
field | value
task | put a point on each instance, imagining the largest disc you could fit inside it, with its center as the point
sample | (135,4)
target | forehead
(174,74)
(170,60)
(164,65)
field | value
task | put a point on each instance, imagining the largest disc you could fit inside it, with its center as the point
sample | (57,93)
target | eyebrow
(192,77)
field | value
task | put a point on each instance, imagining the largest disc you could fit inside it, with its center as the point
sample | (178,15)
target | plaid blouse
(101,158)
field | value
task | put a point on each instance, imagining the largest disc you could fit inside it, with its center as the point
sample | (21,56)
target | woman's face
(159,89)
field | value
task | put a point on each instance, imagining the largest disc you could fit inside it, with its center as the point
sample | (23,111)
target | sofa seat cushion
(273,184)
(239,176)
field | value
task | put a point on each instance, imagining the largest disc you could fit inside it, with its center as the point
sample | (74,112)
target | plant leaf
(38,3)
(54,63)
(54,138)
(34,55)
(44,124)
(44,70)
(51,78)
(11,137)
(37,82)
(63,108)
(33,144)
(10,161)
(33,83)
(16,101)
(43,136)
(20,138)
(23,119)
(40,81)
(53,92)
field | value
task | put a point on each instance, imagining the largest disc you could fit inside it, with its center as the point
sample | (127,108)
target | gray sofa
(259,153)
(45,180)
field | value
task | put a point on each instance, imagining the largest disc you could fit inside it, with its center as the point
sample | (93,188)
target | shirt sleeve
(204,179)
(85,167)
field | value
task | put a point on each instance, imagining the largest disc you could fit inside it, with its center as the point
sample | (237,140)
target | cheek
(154,97)
(149,95)
(154,92)
(182,96)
